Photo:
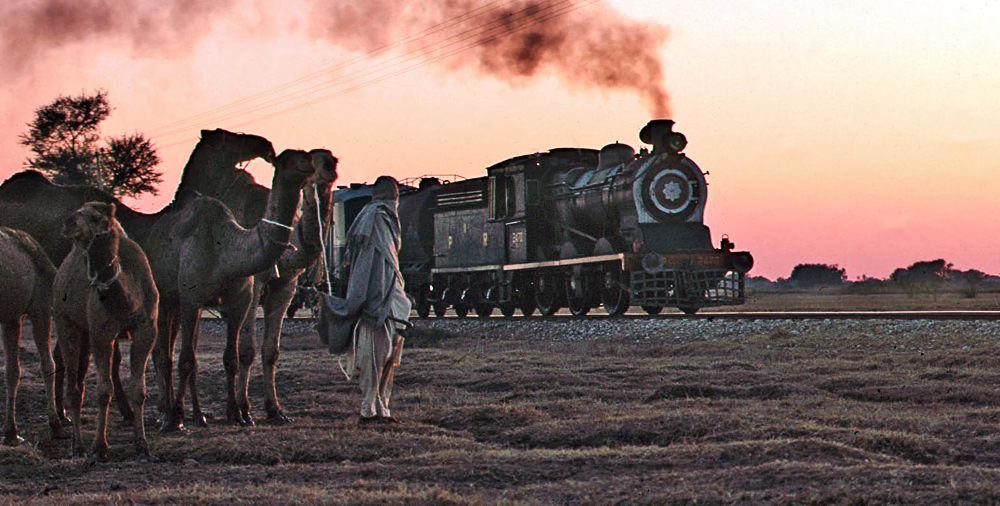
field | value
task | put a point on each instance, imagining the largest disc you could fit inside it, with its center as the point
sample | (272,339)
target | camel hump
(199,210)
(24,184)
(43,265)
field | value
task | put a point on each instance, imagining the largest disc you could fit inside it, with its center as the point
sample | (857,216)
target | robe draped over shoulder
(375,284)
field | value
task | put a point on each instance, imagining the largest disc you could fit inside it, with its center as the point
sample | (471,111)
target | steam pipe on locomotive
(570,227)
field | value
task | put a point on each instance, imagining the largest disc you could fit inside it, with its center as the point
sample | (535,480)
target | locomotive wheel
(690,309)
(578,305)
(653,310)
(461,310)
(547,300)
(507,310)
(440,308)
(423,304)
(527,308)
(614,295)
(483,310)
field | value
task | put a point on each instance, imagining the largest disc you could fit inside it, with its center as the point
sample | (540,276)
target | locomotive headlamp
(676,141)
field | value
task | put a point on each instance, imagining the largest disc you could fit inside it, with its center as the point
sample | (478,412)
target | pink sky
(865,134)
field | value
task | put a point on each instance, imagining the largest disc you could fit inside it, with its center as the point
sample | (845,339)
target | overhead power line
(330,69)
(483,33)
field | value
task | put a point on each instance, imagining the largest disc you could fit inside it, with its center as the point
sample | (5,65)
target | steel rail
(979,315)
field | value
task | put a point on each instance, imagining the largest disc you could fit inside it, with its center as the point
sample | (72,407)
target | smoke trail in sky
(584,44)
(590,47)
(28,29)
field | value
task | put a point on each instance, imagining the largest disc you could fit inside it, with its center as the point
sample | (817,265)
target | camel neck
(282,203)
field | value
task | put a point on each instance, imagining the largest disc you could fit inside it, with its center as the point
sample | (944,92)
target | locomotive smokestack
(660,133)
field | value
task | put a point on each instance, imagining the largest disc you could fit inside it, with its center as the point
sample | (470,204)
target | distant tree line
(924,277)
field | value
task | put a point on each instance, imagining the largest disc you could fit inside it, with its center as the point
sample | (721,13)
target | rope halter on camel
(322,246)
(101,286)
(286,245)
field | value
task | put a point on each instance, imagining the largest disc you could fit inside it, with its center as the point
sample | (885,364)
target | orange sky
(858,133)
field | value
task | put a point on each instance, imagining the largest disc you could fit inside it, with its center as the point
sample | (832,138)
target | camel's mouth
(71,228)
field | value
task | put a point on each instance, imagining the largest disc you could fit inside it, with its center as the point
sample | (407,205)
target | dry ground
(840,299)
(497,412)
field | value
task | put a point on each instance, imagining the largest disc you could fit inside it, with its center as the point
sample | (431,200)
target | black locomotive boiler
(570,227)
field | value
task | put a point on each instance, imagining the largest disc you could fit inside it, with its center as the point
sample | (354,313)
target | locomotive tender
(570,227)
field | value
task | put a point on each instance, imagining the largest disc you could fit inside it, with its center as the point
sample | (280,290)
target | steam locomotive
(569,227)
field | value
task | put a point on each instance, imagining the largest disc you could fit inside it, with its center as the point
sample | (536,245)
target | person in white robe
(376,298)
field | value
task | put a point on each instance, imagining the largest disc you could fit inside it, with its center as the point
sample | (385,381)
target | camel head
(90,220)
(244,146)
(293,167)
(326,167)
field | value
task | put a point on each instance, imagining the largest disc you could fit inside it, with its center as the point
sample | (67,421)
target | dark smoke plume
(28,29)
(592,46)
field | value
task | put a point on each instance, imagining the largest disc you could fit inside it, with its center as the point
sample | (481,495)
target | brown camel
(276,292)
(26,278)
(273,292)
(104,289)
(30,202)
(201,255)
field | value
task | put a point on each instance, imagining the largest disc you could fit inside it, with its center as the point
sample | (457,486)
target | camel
(276,292)
(32,203)
(104,289)
(26,275)
(200,255)
(273,292)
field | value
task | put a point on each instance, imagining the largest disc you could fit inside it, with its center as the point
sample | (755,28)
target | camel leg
(237,358)
(102,346)
(187,366)
(121,397)
(143,340)
(12,349)
(163,360)
(76,357)
(41,325)
(59,386)
(279,296)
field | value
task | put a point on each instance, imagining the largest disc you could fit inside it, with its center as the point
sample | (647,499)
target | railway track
(749,315)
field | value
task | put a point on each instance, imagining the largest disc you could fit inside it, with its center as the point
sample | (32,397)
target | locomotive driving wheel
(507,309)
(423,302)
(546,297)
(483,309)
(578,296)
(461,310)
(527,308)
(652,310)
(614,293)
(440,308)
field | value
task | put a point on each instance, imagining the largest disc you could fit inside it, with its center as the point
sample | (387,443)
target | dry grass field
(839,299)
(662,412)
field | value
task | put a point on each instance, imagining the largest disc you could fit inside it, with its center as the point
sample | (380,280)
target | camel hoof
(148,458)
(79,451)
(246,420)
(234,417)
(12,440)
(65,421)
(199,420)
(279,418)
(98,455)
(170,425)
(142,453)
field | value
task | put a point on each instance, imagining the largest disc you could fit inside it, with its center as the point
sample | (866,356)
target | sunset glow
(865,134)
